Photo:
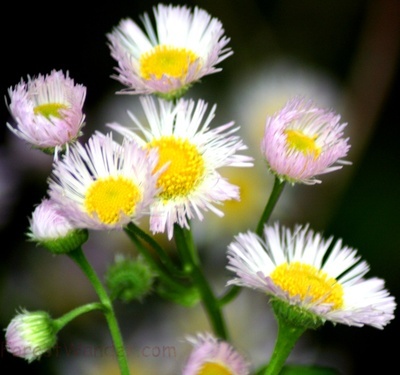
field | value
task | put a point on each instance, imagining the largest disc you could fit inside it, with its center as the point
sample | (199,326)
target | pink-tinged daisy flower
(166,59)
(47,111)
(30,334)
(212,356)
(50,227)
(302,141)
(104,185)
(191,153)
(297,268)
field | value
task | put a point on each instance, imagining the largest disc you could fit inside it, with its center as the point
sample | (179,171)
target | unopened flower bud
(129,279)
(30,334)
(51,229)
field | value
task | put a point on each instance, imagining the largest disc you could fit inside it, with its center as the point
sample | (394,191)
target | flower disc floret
(302,141)
(190,154)
(166,58)
(185,166)
(313,278)
(109,197)
(306,282)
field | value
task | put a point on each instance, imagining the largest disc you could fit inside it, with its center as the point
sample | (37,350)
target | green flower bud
(30,334)
(186,295)
(129,279)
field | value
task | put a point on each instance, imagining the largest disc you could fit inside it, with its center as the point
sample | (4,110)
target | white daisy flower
(166,59)
(298,268)
(302,140)
(104,185)
(191,153)
(212,356)
(47,111)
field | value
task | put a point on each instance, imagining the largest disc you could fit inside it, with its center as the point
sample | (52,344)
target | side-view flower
(297,268)
(48,111)
(302,141)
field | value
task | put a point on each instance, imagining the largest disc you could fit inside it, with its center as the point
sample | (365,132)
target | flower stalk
(62,321)
(273,199)
(187,249)
(79,258)
(288,335)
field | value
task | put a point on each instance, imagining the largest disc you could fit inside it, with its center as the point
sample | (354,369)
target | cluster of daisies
(167,167)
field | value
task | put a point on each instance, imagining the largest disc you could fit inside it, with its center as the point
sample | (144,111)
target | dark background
(356,41)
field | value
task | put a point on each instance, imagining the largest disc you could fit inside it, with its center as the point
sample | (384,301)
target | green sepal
(63,245)
(46,150)
(173,95)
(295,316)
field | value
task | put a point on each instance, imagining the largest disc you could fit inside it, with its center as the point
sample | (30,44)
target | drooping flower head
(47,111)
(51,228)
(302,141)
(30,334)
(211,356)
(165,59)
(191,154)
(298,269)
(104,185)
(129,279)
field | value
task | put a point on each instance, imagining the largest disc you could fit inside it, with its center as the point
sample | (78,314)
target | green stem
(79,258)
(161,272)
(187,250)
(288,335)
(164,258)
(230,295)
(71,315)
(273,199)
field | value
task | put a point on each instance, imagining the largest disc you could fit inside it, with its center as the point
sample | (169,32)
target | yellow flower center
(301,142)
(171,61)
(49,109)
(111,197)
(308,283)
(213,368)
(185,170)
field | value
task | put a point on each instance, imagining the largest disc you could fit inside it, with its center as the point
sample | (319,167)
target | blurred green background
(343,53)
